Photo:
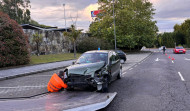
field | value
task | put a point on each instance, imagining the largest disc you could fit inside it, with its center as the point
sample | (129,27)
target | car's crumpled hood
(85,69)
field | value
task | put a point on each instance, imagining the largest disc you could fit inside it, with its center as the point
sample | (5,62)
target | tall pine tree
(17,10)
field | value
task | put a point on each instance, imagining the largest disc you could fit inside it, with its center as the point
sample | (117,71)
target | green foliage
(168,39)
(17,10)
(37,24)
(73,35)
(92,43)
(13,43)
(133,23)
(182,33)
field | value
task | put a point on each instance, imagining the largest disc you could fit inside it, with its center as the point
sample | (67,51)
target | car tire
(120,74)
(70,89)
(105,86)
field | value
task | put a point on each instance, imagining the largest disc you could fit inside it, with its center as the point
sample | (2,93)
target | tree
(73,35)
(133,18)
(17,10)
(14,47)
(37,38)
(182,33)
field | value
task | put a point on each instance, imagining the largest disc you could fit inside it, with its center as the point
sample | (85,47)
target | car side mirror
(73,62)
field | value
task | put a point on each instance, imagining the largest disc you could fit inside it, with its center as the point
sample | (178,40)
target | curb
(30,73)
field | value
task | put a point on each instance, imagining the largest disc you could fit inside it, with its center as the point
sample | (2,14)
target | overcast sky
(51,12)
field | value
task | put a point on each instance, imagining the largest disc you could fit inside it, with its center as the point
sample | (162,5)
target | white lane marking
(139,63)
(24,87)
(157,59)
(186,59)
(135,66)
(172,61)
(181,76)
(124,73)
(130,68)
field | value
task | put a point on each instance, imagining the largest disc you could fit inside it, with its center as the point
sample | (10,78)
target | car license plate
(180,51)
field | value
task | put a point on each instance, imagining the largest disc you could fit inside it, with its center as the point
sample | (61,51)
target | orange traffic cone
(173,58)
(169,57)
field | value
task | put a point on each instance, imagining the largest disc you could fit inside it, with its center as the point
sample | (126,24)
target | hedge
(14,47)
(92,43)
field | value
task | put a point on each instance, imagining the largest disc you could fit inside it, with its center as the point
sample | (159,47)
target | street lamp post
(114,25)
(65,18)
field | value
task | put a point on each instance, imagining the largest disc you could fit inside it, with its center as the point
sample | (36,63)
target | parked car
(179,49)
(95,69)
(122,55)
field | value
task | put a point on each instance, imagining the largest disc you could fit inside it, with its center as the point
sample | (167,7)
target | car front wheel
(105,85)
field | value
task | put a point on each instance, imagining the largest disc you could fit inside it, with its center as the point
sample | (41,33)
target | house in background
(53,39)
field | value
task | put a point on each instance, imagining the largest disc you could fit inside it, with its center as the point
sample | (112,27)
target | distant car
(122,55)
(94,69)
(179,49)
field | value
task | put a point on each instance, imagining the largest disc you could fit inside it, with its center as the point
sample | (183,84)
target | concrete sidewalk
(27,70)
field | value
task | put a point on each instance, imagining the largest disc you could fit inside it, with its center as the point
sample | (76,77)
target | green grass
(52,58)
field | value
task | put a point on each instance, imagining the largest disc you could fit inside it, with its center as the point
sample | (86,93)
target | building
(53,40)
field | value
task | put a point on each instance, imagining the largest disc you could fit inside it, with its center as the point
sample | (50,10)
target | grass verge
(52,58)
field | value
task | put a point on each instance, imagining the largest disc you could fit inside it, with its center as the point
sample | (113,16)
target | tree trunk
(37,49)
(74,49)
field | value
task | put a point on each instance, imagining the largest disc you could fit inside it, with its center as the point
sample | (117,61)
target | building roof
(35,27)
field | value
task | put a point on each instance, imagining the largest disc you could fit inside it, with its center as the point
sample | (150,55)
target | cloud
(51,12)
(170,12)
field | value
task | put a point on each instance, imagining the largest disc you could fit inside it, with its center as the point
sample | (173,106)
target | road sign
(95,13)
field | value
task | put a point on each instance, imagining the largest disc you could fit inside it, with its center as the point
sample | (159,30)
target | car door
(117,64)
(114,65)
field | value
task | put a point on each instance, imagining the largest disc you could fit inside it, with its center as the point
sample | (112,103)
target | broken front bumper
(75,80)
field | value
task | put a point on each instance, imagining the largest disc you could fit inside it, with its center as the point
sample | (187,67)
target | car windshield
(179,47)
(92,58)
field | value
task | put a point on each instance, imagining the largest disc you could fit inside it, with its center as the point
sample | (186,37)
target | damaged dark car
(95,69)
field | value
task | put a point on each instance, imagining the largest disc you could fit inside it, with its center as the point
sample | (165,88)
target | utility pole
(65,18)
(114,24)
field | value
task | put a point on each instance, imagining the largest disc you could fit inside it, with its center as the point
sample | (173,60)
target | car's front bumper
(82,81)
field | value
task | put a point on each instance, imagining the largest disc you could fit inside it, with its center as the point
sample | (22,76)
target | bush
(14,47)
(91,43)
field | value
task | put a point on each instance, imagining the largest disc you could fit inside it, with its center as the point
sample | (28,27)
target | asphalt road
(33,85)
(156,84)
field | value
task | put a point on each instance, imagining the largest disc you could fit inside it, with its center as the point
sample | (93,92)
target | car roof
(100,51)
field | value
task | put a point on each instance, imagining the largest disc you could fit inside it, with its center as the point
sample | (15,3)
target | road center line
(39,75)
(23,87)
(181,76)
